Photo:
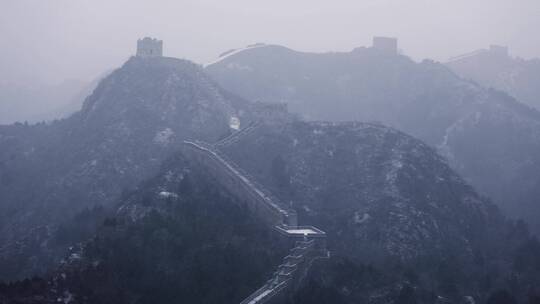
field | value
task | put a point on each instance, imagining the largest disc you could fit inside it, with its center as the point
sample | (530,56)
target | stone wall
(308,243)
(239,184)
(290,275)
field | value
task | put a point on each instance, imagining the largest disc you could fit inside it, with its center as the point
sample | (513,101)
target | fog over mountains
(324,168)
(497,69)
(55,101)
(486,135)
(83,193)
(48,43)
(134,119)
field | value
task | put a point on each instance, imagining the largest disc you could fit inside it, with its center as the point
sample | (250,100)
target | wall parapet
(235,136)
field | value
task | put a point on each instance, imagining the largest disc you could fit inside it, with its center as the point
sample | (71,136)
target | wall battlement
(495,51)
(149,47)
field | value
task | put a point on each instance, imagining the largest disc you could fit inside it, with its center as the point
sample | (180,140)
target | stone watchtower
(149,47)
(386,44)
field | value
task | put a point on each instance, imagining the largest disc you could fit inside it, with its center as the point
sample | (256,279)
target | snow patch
(361,218)
(166,194)
(164,137)
(234,123)
(395,165)
(66,299)
(260,296)
(303,231)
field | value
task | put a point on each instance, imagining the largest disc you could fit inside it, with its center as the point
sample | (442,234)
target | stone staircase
(309,243)
(259,200)
(289,275)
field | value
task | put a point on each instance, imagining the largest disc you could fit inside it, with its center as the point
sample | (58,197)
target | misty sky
(52,40)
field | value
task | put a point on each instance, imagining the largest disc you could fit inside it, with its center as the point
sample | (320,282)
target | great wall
(308,242)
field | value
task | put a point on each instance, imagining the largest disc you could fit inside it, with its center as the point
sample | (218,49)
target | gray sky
(53,40)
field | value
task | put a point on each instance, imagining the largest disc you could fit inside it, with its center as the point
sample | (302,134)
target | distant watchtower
(386,44)
(149,47)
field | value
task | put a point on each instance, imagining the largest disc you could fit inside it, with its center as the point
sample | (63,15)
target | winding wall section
(309,243)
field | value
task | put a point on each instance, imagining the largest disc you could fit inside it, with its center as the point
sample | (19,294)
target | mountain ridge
(135,118)
(516,76)
(426,100)
(410,237)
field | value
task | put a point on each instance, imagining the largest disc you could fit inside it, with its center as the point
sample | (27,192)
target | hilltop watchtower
(386,44)
(149,47)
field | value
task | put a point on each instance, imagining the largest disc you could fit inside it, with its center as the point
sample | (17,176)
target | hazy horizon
(50,42)
(339,172)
